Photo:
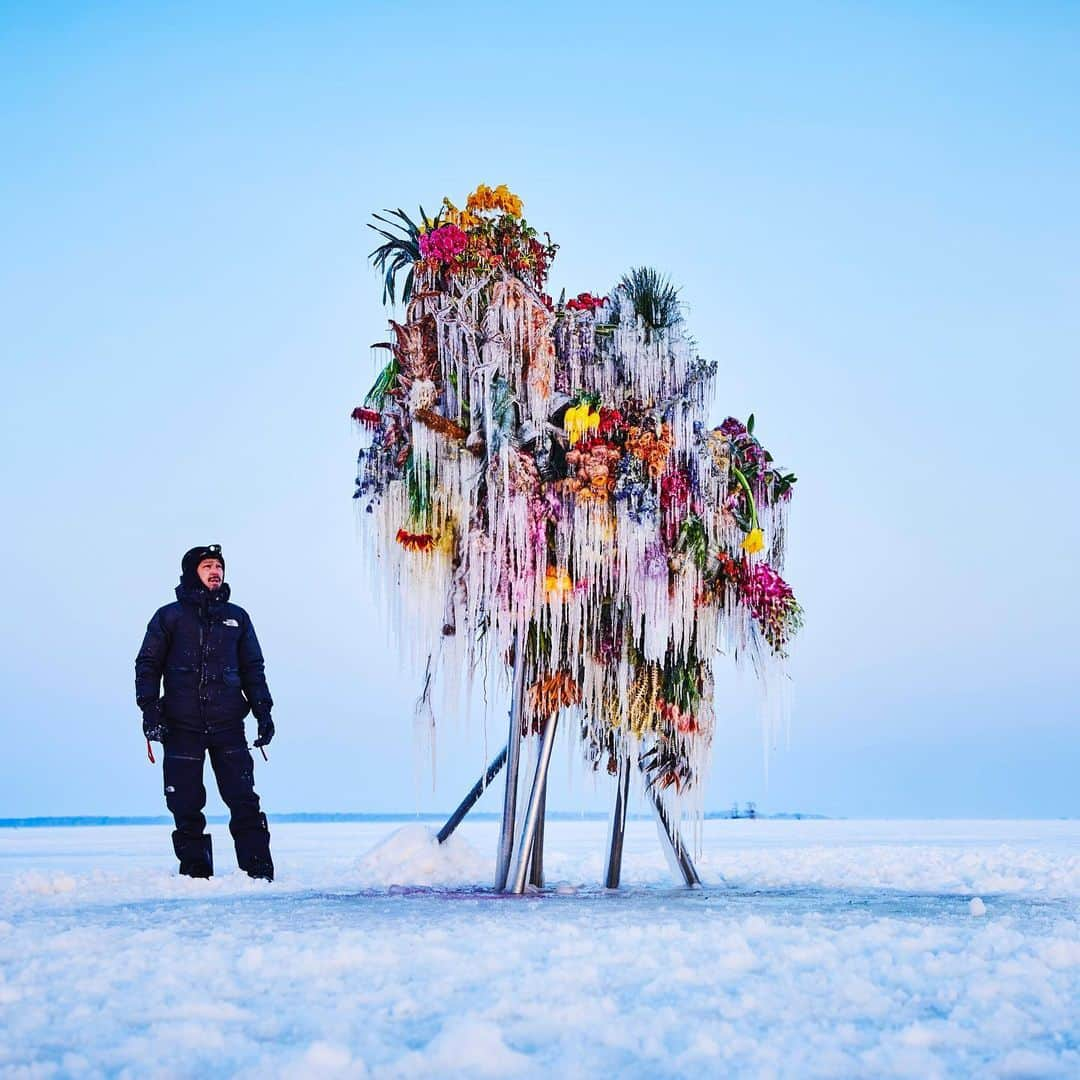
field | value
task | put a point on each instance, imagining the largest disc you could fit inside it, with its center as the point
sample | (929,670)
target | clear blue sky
(872,210)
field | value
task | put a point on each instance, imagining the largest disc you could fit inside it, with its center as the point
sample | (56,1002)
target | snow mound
(977,907)
(36,883)
(413,856)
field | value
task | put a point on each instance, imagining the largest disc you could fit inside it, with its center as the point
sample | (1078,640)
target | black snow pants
(185,797)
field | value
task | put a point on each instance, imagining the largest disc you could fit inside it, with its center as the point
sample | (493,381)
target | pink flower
(443,244)
(767,592)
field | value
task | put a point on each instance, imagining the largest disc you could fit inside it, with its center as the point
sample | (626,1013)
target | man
(208,653)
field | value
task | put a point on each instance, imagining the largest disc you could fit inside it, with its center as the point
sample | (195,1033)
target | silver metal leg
(513,759)
(532,816)
(676,847)
(618,826)
(536,863)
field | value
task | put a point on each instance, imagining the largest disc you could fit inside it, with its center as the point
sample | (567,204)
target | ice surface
(831,949)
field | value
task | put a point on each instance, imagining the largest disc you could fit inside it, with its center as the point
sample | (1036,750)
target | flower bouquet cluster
(592,469)
(489,234)
(541,476)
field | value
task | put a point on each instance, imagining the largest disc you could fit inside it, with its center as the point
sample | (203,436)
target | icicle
(628,591)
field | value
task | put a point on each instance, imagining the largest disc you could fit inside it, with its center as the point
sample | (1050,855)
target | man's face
(211,573)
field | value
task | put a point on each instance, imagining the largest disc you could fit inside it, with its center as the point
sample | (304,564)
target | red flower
(368,417)
(585,302)
(415,541)
(611,421)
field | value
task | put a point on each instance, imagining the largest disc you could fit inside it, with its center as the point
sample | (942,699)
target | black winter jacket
(208,653)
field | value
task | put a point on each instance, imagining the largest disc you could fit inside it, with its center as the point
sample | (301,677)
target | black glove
(153,726)
(266,732)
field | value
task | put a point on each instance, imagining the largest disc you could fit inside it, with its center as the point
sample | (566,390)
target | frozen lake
(817,949)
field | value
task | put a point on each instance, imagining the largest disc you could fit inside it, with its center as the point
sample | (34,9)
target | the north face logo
(230,622)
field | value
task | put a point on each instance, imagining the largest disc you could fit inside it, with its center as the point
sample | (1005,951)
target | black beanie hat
(190,562)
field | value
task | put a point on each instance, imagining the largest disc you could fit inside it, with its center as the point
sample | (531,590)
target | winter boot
(253,849)
(262,868)
(196,854)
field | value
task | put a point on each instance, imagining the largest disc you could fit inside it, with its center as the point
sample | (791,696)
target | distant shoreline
(319,819)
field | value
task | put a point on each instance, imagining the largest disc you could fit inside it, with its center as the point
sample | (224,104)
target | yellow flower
(754,542)
(572,424)
(579,421)
(444,542)
(557,581)
(461,218)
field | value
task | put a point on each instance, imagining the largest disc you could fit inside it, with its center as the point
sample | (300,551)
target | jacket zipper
(202,672)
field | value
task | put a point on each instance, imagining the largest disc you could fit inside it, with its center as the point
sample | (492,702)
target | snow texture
(838,949)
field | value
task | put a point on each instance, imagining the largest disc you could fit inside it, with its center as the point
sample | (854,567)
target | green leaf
(651,296)
(383,384)
(750,424)
(419,503)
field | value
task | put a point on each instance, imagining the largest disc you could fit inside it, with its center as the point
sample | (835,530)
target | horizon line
(331,817)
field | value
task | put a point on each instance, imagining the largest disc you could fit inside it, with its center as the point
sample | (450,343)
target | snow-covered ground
(851,949)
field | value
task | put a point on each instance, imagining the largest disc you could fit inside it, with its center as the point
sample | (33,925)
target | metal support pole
(618,826)
(675,845)
(473,797)
(536,863)
(532,815)
(513,759)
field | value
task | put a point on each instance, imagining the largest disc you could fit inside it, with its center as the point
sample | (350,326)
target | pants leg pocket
(185,795)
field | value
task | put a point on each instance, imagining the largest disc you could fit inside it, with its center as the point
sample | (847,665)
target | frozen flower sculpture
(544,494)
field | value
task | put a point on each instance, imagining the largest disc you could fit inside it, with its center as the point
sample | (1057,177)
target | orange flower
(547,696)
(557,581)
(442,424)
(415,541)
(500,198)
(651,448)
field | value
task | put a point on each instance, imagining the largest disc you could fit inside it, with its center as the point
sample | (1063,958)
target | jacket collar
(198,595)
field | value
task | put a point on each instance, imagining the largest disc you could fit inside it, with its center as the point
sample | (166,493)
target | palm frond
(401,249)
(651,296)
